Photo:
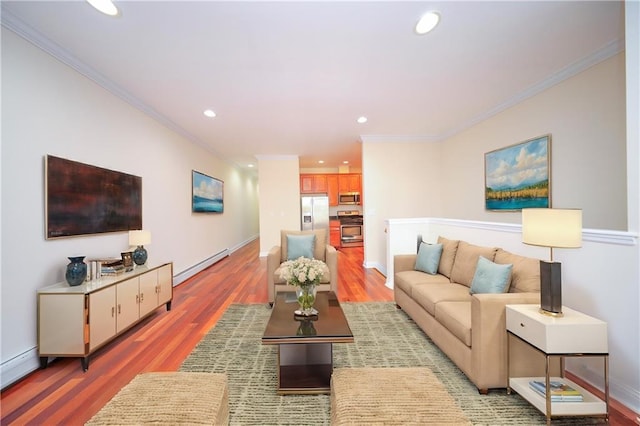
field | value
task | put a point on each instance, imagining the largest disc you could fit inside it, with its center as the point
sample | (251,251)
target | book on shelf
(560,391)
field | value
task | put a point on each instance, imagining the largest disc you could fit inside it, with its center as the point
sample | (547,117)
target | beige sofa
(322,251)
(470,328)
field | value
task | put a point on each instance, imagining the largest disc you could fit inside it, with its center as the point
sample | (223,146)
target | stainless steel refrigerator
(315,212)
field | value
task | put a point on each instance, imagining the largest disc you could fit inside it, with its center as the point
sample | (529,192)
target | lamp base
(140,255)
(550,288)
(551,314)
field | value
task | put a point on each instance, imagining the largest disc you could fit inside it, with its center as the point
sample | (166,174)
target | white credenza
(75,321)
(572,335)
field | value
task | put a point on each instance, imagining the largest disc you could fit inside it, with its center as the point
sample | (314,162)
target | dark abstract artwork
(81,199)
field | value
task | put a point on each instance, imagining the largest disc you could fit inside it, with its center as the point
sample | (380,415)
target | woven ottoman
(391,396)
(173,398)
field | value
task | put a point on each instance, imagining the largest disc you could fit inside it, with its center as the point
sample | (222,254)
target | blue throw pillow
(300,245)
(428,258)
(490,277)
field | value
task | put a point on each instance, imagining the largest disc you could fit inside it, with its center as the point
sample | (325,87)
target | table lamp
(553,228)
(139,239)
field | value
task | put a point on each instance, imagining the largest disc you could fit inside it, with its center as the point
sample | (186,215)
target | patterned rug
(384,337)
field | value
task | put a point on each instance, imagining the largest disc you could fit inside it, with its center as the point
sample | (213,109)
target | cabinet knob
(521,325)
(119,309)
(141,297)
(113,311)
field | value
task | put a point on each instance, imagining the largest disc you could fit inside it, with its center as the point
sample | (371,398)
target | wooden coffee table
(305,347)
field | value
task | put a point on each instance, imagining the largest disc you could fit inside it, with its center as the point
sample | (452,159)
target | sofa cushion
(449,248)
(407,280)
(319,247)
(300,246)
(428,258)
(428,296)
(525,275)
(464,266)
(491,277)
(456,317)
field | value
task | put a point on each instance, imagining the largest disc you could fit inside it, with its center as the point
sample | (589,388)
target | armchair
(322,251)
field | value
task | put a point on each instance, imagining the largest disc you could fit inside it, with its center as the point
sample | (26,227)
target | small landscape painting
(517,176)
(207,194)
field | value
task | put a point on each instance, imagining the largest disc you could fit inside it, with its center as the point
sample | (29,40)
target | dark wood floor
(63,395)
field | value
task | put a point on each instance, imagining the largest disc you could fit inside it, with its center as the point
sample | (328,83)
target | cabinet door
(350,183)
(148,292)
(127,303)
(334,233)
(102,316)
(165,284)
(320,184)
(306,184)
(332,189)
(61,321)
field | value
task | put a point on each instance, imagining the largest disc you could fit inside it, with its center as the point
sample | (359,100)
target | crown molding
(19,27)
(609,50)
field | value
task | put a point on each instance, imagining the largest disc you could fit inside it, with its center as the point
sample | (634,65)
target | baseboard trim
(19,366)
(198,267)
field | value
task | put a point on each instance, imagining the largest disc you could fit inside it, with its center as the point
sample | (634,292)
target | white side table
(572,335)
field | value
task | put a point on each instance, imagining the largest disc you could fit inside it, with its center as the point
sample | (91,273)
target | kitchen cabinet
(350,182)
(313,184)
(75,321)
(332,187)
(334,233)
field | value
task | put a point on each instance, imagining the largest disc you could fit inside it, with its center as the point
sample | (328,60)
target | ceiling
(291,78)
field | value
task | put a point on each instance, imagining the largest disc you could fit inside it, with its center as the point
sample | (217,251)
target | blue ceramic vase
(76,271)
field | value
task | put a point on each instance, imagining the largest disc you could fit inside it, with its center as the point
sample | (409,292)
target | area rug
(384,337)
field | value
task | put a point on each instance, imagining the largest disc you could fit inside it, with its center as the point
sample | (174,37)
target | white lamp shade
(560,228)
(139,238)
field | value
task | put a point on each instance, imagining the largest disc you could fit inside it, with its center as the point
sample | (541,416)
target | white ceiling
(291,78)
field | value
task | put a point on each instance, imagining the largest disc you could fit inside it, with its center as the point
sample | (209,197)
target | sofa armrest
(273,262)
(404,262)
(489,336)
(331,256)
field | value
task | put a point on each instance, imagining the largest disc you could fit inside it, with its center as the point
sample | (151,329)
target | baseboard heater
(200,266)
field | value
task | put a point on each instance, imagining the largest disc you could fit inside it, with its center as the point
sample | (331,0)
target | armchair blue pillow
(300,245)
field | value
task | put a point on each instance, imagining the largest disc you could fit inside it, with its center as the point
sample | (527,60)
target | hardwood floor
(62,394)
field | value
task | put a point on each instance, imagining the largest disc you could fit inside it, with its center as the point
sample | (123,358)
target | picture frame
(82,199)
(518,176)
(207,193)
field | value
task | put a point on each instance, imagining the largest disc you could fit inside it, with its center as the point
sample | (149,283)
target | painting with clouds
(517,176)
(207,194)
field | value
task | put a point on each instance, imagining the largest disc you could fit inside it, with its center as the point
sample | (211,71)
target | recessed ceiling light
(105,6)
(362,119)
(321,161)
(345,162)
(209,113)
(250,165)
(428,22)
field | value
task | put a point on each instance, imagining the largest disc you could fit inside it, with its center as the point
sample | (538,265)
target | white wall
(47,108)
(585,116)
(279,178)
(399,179)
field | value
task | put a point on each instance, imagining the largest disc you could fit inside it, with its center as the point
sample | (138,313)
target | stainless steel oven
(351,232)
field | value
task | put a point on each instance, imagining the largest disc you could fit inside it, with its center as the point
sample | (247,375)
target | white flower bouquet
(303,272)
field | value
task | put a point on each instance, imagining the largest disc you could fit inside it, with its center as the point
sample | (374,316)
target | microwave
(349,198)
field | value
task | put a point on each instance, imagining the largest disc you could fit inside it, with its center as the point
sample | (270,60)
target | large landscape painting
(82,199)
(517,176)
